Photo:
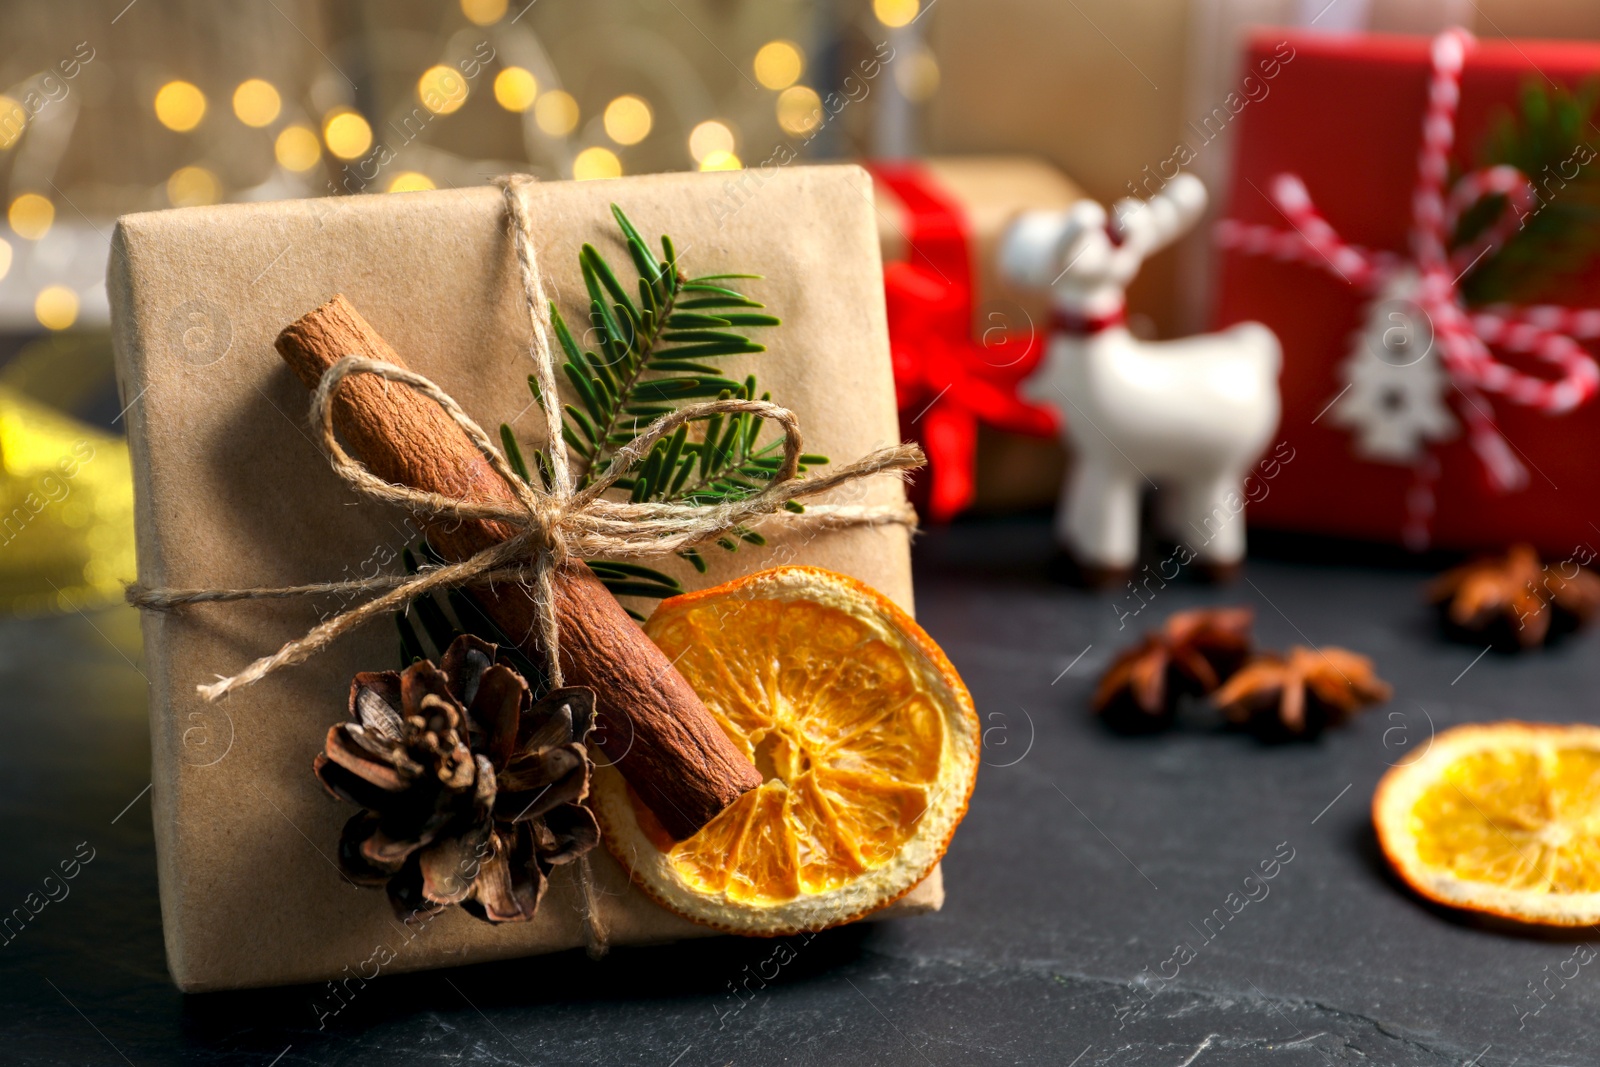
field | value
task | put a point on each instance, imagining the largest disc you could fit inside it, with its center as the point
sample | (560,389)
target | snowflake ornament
(1395,383)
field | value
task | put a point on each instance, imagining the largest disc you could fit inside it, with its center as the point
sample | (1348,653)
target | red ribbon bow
(1463,336)
(946,382)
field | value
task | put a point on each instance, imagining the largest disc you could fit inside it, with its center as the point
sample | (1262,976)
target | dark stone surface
(1087,858)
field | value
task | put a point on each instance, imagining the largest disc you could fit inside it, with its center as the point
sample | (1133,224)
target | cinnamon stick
(656,729)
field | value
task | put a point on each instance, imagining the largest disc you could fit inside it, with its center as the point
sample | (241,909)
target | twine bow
(551,525)
(1549,333)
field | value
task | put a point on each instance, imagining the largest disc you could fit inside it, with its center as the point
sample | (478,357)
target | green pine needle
(1548,138)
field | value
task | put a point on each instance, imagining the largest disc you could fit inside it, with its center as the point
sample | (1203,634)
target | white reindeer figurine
(1190,416)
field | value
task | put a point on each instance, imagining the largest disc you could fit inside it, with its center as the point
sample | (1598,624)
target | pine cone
(470,795)
(1301,694)
(1190,655)
(1513,601)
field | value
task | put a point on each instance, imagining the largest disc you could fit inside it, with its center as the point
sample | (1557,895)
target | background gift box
(1346,117)
(963,337)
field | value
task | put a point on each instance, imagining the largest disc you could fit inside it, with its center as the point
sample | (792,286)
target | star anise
(471,793)
(1192,653)
(1300,694)
(1574,599)
(1514,601)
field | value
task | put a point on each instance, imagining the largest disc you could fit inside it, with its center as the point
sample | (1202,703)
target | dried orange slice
(1502,818)
(862,729)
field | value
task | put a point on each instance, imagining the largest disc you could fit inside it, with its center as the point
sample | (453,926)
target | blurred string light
(13,120)
(5,257)
(30,216)
(720,160)
(180,106)
(628,120)
(56,307)
(483,12)
(556,113)
(778,64)
(346,134)
(596,163)
(894,13)
(411,181)
(297,148)
(799,109)
(442,90)
(918,76)
(708,137)
(515,89)
(256,102)
(193,187)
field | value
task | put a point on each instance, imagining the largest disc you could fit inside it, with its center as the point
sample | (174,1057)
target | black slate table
(1089,863)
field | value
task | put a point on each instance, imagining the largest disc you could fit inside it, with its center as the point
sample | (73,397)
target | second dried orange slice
(1502,818)
(863,731)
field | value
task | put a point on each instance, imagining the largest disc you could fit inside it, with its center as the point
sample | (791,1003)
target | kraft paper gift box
(1346,116)
(232,492)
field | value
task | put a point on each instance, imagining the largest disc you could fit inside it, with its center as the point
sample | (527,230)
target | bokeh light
(5,257)
(596,163)
(256,102)
(483,12)
(13,121)
(708,137)
(193,187)
(347,134)
(442,89)
(411,181)
(31,215)
(180,106)
(896,12)
(778,64)
(56,307)
(799,109)
(297,148)
(918,75)
(556,113)
(515,89)
(721,160)
(628,120)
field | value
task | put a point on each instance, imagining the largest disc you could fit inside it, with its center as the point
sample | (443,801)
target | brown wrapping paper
(1013,472)
(231,491)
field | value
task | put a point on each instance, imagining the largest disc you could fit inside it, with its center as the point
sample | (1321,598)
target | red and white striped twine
(1549,334)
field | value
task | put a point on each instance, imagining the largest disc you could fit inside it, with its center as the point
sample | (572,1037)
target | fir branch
(650,354)
(1548,139)
(433,620)
(656,348)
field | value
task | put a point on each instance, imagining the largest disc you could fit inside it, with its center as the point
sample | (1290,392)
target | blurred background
(116,107)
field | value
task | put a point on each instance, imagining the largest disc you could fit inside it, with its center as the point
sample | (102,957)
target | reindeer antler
(1038,247)
(1078,247)
(1147,226)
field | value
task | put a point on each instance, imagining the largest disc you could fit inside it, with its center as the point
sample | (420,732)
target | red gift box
(1346,115)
